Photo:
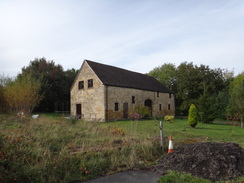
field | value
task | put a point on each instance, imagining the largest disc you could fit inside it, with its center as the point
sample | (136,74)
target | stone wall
(95,100)
(124,95)
(91,99)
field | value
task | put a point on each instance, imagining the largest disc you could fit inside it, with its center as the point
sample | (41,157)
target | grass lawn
(181,132)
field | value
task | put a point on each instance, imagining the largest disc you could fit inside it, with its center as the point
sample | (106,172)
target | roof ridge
(115,76)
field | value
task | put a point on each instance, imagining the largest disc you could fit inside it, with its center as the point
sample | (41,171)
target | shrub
(142,110)
(136,116)
(193,116)
(169,118)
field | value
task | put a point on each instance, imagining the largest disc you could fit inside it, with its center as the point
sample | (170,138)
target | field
(54,149)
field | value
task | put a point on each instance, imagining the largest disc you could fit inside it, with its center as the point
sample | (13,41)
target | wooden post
(161,135)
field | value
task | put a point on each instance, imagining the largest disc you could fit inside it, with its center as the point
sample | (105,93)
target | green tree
(22,94)
(207,108)
(166,74)
(236,97)
(193,116)
(55,84)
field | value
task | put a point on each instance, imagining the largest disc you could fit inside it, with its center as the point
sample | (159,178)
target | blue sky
(137,35)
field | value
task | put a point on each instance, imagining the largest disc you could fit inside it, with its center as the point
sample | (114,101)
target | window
(81,85)
(133,99)
(168,106)
(90,83)
(157,94)
(169,95)
(160,107)
(116,106)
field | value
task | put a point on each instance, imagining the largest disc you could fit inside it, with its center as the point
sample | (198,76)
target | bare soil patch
(209,160)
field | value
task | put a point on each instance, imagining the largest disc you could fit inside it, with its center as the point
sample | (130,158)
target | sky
(137,35)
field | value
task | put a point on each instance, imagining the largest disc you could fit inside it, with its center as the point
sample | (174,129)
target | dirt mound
(213,161)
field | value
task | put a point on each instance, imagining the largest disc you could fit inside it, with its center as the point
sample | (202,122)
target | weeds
(52,150)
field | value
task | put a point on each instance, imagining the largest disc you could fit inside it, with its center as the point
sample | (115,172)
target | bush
(142,110)
(169,118)
(193,116)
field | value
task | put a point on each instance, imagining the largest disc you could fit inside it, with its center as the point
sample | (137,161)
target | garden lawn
(182,132)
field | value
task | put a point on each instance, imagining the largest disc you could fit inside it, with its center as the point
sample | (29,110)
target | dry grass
(58,150)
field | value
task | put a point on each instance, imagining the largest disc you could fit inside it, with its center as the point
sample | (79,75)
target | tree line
(43,82)
(44,86)
(215,92)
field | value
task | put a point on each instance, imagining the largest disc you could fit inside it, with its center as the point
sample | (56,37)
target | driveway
(128,177)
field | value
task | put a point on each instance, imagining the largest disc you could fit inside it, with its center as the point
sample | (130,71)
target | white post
(161,135)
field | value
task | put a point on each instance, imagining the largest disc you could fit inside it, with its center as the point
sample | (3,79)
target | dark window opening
(116,106)
(168,106)
(169,95)
(81,85)
(133,99)
(160,107)
(157,94)
(90,83)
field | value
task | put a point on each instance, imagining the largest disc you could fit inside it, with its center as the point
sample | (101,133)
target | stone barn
(105,93)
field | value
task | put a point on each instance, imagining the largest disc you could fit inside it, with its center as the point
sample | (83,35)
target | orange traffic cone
(171,148)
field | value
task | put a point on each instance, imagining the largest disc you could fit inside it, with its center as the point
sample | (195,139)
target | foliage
(236,98)
(176,177)
(3,81)
(55,84)
(207,108)
(193,116)
(142,110)
(189,82)
(166,74)
(169,118)
(135,116)
(22,94)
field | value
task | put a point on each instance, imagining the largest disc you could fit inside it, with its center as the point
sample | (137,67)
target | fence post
(161,135)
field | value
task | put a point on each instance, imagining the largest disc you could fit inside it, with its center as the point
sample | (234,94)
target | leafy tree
(3,81)
(193,82)
(207,108)
(187,84)
(193,116)
(236,98)
(22,94)
(55,84)
(166,74)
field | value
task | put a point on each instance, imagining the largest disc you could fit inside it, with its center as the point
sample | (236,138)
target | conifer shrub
(193,116)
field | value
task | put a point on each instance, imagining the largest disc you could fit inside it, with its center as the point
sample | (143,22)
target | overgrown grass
(52,149)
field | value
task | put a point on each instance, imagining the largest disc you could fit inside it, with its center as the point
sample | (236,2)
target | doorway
(78,111)
(125,110)
(148,103)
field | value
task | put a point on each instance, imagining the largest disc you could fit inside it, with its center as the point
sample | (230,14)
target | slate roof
(114,76)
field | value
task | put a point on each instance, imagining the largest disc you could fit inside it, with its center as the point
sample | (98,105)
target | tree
(22,94)
(165,74)
(236,97)
(55,84)
(193,116)
(207,108)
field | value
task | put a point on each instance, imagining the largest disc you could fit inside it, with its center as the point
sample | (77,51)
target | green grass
(53,149)
(176,177)
(181,132)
